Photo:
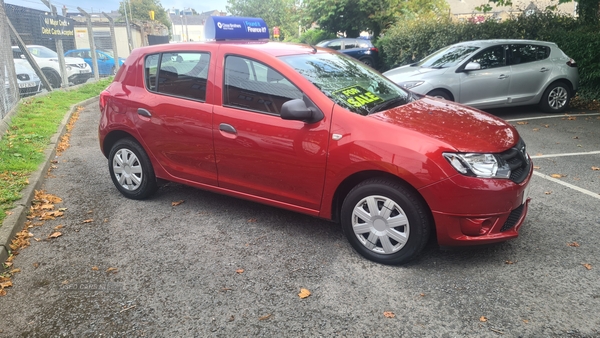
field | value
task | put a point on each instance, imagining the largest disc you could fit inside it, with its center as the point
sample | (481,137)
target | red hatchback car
(316,132)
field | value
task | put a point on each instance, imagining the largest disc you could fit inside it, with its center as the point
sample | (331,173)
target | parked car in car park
(495,74)
(78,71)
(27,80)
(358,48)
(312,131)
(106,60)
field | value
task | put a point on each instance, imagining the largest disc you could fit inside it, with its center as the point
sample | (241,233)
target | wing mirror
(473,66)
(297,110)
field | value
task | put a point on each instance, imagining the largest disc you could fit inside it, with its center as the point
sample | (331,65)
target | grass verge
(31,128)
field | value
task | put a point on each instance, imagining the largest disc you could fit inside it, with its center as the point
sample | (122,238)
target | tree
(354,16)
(282,13)
(587,10)
(140,10)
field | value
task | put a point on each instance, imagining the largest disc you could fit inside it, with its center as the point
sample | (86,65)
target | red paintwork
(298,166)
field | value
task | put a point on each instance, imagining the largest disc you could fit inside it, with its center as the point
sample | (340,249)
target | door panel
(256,151)
(530,67)
(488,85)
(266,156)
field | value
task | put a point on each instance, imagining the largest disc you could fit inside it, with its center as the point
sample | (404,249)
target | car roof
(492,42)
(267,47)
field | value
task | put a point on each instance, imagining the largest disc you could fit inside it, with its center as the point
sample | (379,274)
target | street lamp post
(181,18)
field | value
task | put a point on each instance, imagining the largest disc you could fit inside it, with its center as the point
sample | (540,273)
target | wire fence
(9,95)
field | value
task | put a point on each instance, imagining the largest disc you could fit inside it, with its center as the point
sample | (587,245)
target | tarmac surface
(219,266)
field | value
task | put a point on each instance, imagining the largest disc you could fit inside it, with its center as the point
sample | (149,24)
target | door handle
(502,77)
(544,69)
(144,112)
(227,128)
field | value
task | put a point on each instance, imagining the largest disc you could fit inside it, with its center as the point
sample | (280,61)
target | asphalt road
(179,268)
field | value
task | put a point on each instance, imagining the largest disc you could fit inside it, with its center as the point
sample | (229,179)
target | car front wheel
(131,169)
(440,94)
(556,98)
(385,222)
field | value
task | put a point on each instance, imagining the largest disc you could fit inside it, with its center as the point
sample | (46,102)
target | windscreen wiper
(389,104)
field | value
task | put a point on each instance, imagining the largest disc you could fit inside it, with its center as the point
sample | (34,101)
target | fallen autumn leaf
(177,203)
(389,314)
(55,235)
(587,266)
(304,293)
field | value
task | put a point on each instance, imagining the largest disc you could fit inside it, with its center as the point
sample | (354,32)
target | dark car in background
(358,48)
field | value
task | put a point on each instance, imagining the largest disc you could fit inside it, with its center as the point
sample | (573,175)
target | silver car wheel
(380,224)
(558,97)
(127,169)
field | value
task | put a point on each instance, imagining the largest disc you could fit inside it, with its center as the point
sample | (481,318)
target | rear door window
(182,74)
(524,53)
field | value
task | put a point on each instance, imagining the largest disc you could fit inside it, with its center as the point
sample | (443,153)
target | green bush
(409,41)
(314,36)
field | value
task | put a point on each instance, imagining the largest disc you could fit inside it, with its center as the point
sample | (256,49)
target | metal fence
(9,94)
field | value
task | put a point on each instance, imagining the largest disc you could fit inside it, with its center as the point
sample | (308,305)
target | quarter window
(255,86)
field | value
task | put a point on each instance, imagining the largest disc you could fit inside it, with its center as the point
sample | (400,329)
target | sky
(95,6)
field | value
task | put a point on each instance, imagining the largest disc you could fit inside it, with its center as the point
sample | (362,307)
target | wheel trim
(127,169)
(557,98)
(380,224)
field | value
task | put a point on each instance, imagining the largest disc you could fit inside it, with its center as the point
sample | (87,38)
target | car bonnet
(463,128)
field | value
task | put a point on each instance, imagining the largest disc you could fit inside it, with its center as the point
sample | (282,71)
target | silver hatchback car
(494,73)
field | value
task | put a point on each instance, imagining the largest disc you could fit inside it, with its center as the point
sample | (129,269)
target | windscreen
(447,57)
(348,82)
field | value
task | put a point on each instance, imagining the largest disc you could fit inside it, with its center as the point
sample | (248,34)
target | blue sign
(235,28)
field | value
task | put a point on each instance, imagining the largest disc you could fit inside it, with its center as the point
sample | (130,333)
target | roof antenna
(314,49)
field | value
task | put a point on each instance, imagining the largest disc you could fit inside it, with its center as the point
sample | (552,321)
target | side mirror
(297,110)
(472,66)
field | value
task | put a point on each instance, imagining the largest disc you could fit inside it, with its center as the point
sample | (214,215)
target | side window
(255,86)
(184,74)
(490,58)
(150,68)
(337,45)
(528,53)
(350,43)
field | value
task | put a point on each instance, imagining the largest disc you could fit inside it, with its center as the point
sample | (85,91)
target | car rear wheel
(131,169)
(556,98)
(385,222)
(440,94)
(367,61)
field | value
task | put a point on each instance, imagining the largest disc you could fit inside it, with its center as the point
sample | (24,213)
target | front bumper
(473,211)
(80,77)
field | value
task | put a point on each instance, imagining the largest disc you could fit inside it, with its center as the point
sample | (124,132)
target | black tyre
(385,222)
(367,61)
(440,94)
(53,77)
(556,98)
(131,169)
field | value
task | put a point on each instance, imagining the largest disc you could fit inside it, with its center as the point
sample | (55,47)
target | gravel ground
(219,266)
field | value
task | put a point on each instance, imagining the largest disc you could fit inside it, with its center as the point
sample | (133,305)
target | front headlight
(479,165)
(410,84)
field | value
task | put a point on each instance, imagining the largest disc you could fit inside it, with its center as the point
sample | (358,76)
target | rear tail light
(103,97)
(571,63)
(374,49)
